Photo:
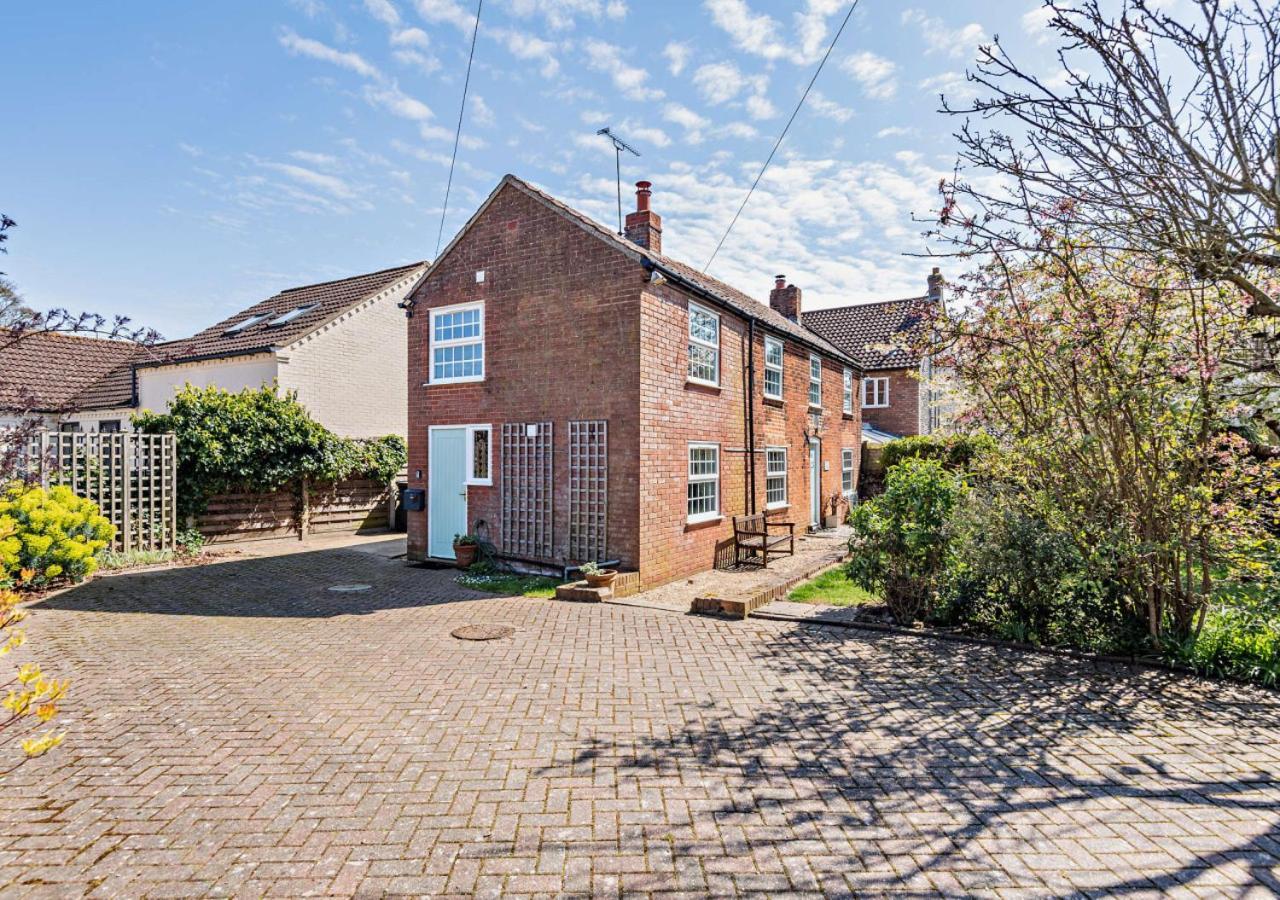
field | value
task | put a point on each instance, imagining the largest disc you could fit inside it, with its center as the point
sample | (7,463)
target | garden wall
(351,505)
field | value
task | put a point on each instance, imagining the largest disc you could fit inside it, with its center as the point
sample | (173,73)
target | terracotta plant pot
(603,578)
(464,555)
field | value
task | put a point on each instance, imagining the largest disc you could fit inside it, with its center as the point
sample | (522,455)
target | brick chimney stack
(785,298)
(936,283)
(644,226)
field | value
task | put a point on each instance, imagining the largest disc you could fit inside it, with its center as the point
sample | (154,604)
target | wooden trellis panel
(527,489)
(133,478)
(588,490)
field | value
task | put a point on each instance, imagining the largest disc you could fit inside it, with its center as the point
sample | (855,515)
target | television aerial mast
(618,146)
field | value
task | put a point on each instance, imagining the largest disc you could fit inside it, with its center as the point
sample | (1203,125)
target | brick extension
(237,729)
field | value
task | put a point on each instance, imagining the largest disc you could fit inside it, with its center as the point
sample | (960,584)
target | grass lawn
(832,588)
(509,584)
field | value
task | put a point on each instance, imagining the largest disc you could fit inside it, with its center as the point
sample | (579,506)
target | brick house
(337,344)
(898,393)
(576,395)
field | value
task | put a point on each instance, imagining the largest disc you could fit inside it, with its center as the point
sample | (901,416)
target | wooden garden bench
(752,536)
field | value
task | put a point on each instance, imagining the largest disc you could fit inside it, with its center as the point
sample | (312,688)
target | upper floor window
(848,391)
(775,482)
(815,380)
(457,343)
(875,392)
(773,368)
(704,345)
(704,482)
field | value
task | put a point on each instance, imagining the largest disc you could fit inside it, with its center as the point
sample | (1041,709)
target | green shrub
(956,452)
(49,533)
(259,440)
(899,545)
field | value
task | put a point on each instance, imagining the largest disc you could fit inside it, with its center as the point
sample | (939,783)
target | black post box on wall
(415,499)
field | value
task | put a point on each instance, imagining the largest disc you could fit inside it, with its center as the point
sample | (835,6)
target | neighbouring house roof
(51,372)
(320,304)
(877,335)
(873,435)
(727,295)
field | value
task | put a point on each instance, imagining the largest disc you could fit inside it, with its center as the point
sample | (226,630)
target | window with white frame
(846,471)
(704,482)
(704,345)
(480,454)
(875,392)
(457,343)
(775,481)
(815,380)
(773,368)
(848,391)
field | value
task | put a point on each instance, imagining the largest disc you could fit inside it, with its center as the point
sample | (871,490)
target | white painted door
(447,490)
(815,484)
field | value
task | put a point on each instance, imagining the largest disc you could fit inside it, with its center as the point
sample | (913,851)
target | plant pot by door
(831,521)
(464,555)
(603,578)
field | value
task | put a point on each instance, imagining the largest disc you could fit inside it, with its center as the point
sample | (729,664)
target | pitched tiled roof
(47,371)
(875,334)
(322,302)
(728,295)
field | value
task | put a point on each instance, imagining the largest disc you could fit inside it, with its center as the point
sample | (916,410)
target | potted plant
(465,548)
(596,576)
(832,519)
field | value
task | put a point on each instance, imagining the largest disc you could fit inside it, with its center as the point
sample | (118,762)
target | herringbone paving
(238,729)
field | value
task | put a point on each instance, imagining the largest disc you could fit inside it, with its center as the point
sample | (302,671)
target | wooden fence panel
(132,477)
(352,505)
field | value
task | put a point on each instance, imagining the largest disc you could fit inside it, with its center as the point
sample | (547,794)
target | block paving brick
(238,730)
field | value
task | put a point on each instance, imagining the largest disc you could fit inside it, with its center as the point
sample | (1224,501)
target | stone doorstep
(742,606)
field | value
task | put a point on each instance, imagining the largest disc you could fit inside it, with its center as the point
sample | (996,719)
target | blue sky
(175,162)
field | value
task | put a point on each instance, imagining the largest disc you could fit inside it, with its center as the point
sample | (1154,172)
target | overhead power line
(785,129)
(457,136)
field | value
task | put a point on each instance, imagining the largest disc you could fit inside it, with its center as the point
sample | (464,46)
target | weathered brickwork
(903,415)
(573,330)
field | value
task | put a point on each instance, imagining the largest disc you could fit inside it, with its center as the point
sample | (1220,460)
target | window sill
(772,507)
(875,406)
(774,401)
(445,381)
(708,386)
(813,408)
(702,522)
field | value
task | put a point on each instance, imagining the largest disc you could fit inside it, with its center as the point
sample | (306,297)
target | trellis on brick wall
(527,489)
(588,489)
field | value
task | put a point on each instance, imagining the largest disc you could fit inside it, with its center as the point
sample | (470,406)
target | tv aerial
(618,146)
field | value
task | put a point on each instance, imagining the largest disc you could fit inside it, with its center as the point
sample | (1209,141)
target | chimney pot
(785,298)
(936,283)
(644,227)
(780,281)
(642,195)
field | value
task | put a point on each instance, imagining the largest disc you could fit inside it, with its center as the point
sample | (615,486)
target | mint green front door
(447,490)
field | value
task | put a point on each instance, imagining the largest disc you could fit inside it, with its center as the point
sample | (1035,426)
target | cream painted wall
(157,386)
(352,374)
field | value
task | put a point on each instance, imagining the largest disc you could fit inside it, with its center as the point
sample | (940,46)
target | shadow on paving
(963,754)
(296,585)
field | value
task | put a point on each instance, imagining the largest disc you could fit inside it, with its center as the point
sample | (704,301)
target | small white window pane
(704,363)
(772,352)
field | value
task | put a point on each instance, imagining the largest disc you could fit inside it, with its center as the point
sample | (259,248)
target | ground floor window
(775,483)
(109,426)
(846,471)
(704,482)
(480,454)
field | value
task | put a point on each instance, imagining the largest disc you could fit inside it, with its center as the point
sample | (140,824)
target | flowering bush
(49,534)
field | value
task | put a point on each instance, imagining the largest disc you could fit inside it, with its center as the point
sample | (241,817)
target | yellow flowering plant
(49,534)
(31,698)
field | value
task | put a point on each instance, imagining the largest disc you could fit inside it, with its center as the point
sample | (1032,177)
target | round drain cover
(482,632)
(349,588)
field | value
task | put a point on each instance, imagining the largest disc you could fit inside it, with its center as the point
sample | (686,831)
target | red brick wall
(561,343)
(902,415)
(675,412)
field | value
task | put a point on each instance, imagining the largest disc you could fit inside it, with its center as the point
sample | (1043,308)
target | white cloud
(383,11)
(523,45)
(562,14)
(693,124)
(446,135)
(719,82)
(1035,23)
(410,37)
(644,134)
(740,130)
(300,46)
(480,111)
(954,85)
(939,37)
(324,160)
(875,74)
(427,63)
(820,104)
(752,32)
(894,131)
(630,80)
(677,55)
(759,107)
(398,103)
(309,8)
(811,25)
(330,184)
(449,12)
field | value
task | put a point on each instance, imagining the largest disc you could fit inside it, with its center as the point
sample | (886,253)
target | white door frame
(815,482)
(466,498)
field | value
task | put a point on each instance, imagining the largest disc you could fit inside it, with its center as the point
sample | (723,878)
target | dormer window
(244,323)
(291,315)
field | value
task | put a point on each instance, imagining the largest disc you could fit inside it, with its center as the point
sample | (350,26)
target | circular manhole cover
(349,588)
(482,632)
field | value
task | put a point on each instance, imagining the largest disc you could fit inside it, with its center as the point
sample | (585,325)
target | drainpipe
(751,416)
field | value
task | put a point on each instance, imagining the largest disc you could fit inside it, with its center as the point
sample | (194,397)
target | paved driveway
(240,729)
